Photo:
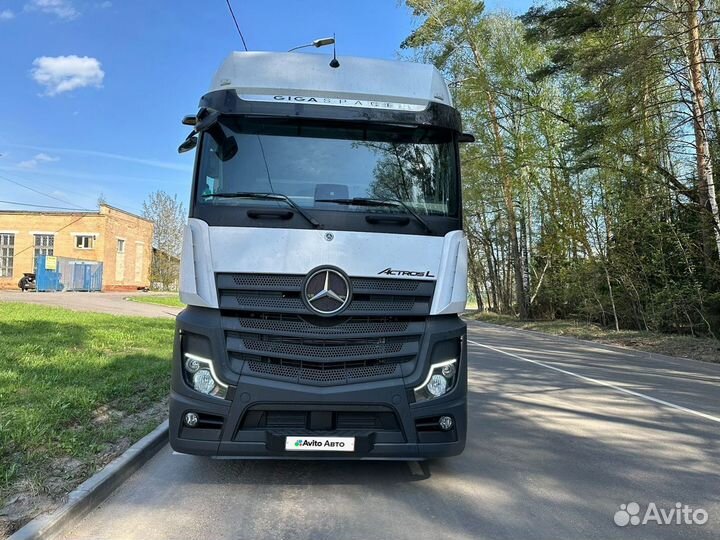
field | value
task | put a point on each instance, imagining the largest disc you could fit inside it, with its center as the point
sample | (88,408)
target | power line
(38,192)
(232,13)
(43,206)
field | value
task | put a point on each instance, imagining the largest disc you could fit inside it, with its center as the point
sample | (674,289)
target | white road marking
(602,383)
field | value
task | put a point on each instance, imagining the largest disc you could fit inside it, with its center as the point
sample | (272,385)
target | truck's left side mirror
(187,145)
(466,137)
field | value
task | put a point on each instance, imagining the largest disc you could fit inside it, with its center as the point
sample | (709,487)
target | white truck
(324,264)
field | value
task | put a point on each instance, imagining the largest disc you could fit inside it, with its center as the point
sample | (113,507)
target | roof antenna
(334,62)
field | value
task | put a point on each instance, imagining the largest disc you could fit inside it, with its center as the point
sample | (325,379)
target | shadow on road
(301,472)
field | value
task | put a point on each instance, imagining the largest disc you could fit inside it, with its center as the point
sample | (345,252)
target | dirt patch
(105,414)
(33,498)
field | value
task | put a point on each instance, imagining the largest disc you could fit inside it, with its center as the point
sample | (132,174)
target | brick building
(120,240)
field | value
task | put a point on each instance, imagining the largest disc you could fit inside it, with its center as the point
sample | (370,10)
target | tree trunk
(505,178)
(516,260)
(612,297)
(706,183)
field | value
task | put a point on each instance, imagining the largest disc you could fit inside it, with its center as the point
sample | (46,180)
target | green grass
(165,300)
(72,385)
(681,346)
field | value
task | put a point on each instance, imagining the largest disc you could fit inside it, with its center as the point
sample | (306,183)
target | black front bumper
(258,414)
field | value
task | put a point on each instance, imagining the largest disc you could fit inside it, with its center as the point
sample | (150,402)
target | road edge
(95,489)
(598,344)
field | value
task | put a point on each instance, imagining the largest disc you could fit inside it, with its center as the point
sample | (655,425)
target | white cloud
(105,5)
(6,15)
(60,74)
(63,9)
(34,162)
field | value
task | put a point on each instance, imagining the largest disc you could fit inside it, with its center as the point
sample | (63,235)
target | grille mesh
(274,369)
(369,284)
(313,373)
(267,280)
(303,327)
(328,350)
(404,304)
(274,302)
(370,371)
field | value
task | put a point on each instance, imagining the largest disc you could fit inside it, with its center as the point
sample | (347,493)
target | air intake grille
(324,349)
(320,373)
(298,326)
(281,293)
(272,333)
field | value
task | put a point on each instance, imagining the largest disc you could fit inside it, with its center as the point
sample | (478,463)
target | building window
(44,245)
(85,241)
(7,253)
(120,246)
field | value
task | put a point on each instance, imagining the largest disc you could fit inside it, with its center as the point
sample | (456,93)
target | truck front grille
(347,420)
(318,372)
(281,293)
(273,334)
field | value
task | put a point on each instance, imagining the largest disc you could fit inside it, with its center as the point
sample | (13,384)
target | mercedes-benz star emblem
(326,291)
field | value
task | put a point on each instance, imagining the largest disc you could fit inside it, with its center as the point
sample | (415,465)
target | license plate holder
(319,444)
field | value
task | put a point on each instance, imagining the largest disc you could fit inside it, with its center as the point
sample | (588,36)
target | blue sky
(93,90)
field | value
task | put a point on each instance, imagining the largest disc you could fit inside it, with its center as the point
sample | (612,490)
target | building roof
(72,213)
(125,212)
(258,73)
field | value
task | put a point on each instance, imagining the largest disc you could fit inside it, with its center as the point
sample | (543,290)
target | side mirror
(227,149)
(466,137)
(188,144)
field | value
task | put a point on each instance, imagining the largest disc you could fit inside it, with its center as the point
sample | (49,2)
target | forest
(590,192)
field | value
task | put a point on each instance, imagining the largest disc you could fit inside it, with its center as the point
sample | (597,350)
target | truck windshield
(315,163)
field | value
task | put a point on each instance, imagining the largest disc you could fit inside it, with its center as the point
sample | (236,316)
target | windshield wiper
(366,201)
(266,196)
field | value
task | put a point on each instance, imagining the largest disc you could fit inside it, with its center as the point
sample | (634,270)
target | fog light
(203,381)
(191,419)
(437,385)
(446,423)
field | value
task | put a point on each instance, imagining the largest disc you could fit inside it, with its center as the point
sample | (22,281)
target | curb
(95,489)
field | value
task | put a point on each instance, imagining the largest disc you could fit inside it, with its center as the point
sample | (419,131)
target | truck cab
(324,265)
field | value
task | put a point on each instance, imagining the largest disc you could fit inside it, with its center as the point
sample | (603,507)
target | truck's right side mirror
(466,137)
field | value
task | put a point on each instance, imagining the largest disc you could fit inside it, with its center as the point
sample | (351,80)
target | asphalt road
(561,434)
(107,302)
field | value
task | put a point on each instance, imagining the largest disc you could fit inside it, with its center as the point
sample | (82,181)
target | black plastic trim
(228,102)
(250,391)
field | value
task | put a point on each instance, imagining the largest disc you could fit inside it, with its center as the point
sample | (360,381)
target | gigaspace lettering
(336,101)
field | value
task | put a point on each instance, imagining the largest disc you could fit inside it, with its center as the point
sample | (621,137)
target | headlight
(440,380)
(438,385)
(203,381)
(200,375)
